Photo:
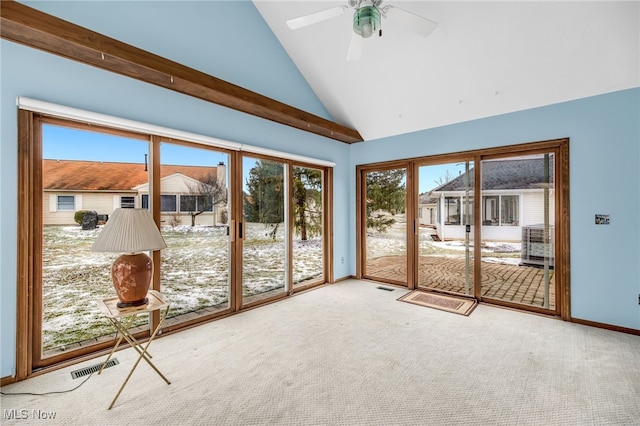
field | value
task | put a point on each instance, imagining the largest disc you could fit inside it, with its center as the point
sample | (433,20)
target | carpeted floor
(351,354)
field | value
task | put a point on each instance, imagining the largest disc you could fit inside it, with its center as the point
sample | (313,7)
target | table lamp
(131,231)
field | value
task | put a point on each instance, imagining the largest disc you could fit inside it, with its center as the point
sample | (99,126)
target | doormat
(457,305)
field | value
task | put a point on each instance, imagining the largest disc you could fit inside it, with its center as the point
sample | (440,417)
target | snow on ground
(195,269)
(393,243)
(194,274)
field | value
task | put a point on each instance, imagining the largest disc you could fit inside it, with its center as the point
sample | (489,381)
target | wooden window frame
(559,147)
(29,360)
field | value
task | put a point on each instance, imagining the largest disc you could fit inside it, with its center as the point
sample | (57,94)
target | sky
(429,176)
(64,143)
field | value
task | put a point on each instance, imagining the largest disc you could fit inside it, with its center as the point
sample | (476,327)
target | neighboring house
(512,200)
(427,209)
(71,185)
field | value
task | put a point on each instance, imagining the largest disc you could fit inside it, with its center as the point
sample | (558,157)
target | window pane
(509,213)
(445,250)
(195,273)
(452,210)
(127,202)
(188,203)
(167,203)
(74,276)
(386,225)
(66,202)
(308,258)
(204,203)
(490,213)
(264,249)
(518,256)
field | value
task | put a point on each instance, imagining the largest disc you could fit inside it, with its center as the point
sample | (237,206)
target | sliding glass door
(87,172)
(308,209)
(445,228)
(194,216)
(519,230)
(385,225)
(240,230)
(264,229)
(487,224)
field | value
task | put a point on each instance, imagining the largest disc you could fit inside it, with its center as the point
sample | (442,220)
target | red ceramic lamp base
(131,275)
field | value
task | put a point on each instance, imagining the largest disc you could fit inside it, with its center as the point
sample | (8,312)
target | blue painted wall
(604,132)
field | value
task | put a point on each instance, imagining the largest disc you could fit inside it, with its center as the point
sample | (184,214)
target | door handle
(231,231)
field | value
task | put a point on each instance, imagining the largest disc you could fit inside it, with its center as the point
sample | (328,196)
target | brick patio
(512,283)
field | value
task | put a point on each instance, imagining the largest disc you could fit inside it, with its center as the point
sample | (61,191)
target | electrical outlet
(342,261)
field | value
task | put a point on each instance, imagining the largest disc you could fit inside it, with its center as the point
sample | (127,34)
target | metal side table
(123,319)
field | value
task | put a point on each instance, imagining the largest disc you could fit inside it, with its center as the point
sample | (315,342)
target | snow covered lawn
(194,274)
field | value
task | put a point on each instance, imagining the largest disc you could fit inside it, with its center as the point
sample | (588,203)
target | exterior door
(264,230)
(384,226)
(445,228)
(194,217)
(518,230)
(78,178)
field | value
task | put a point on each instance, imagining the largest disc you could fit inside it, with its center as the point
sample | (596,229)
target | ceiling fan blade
(314,18)
(355,47)
(410,21)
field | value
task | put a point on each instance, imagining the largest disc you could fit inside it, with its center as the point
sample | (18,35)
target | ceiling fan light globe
(366,21)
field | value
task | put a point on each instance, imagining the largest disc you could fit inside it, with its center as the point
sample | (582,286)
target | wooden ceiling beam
(39,30)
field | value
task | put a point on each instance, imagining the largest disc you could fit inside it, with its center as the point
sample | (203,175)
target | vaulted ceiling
(483,59)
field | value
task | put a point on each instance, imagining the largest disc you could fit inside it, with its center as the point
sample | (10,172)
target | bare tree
(444,179)
(205,195)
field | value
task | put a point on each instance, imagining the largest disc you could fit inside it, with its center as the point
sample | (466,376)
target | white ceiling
(483,59)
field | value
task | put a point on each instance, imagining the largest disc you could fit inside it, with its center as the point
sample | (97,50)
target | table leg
(142,354)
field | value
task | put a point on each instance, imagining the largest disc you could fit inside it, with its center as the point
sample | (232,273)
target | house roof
(526,173)
(427,198)
(106,176)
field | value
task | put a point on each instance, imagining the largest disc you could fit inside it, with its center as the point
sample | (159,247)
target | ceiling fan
(366,21)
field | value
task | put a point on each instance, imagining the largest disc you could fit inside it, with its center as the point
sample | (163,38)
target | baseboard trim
(348,277)
(7,380)
(606,326)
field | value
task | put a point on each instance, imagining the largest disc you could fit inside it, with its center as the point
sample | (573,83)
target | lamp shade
(129,230)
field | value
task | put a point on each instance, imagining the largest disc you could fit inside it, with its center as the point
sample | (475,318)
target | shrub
(174,220)
(78,216)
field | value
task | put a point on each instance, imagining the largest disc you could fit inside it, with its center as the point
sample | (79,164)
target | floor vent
(385,288)
(93,369)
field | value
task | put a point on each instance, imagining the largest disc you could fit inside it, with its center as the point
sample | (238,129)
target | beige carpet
(351,354)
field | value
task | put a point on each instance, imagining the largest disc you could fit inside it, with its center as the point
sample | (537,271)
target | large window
(195,196)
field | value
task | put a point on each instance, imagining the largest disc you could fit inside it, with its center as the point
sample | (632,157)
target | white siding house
(513,198)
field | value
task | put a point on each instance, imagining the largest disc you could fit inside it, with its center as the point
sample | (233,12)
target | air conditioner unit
(533,253)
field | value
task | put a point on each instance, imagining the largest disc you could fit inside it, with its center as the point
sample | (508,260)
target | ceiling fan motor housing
(366,21)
